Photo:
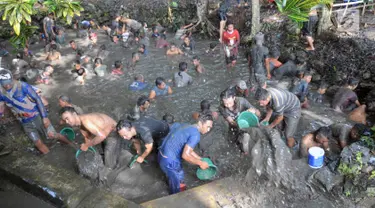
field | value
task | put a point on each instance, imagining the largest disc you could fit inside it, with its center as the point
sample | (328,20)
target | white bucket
(316,157)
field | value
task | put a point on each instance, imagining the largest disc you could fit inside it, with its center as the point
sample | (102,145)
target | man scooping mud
(285,106)
(95,128)
(178,145)
(146,130)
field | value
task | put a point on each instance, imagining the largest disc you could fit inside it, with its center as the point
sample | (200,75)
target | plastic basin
(247,119)
(208,173)
(69,133)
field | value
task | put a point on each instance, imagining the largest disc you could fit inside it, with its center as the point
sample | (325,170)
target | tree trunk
(202,12)
(325,20)
(255,17)
(255,20)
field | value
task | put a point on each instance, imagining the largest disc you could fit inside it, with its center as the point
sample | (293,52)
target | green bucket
(247,119)
(69,133)
(133,160)
(208,173)
(91,149)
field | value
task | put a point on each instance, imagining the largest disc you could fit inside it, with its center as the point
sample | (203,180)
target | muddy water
(110,95)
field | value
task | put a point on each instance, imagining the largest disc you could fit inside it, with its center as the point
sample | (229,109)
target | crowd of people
(172,141)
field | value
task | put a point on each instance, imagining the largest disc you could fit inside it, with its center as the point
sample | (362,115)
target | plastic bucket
(316,157)
(247,119)
(208,173)
(91,149)
(69,133)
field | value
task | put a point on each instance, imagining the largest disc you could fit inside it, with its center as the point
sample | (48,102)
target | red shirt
(231,39)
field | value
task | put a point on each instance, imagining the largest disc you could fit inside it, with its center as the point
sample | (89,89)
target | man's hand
(252,110)
(140,159)
(46,122)
(269,76)
(46,34)
(203,165)
(84,147)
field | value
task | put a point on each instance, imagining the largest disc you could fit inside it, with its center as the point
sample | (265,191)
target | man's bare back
(96,125)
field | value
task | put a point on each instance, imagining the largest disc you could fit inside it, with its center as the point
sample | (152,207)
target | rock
(328,179)
(348,154)
(366,75)
(270,157)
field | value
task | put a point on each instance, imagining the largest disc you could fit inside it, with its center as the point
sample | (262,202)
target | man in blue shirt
(138,84)
(28,108)
(302,88)
(178,145)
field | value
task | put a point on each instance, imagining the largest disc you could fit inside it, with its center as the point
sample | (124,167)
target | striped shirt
(284,103)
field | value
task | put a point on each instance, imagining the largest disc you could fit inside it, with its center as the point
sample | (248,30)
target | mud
(144,182)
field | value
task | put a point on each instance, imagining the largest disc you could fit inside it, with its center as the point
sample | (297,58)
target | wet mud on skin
(110,95)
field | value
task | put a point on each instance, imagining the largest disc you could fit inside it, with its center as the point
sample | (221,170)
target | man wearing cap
(258,55)
(240,88)
(28,108)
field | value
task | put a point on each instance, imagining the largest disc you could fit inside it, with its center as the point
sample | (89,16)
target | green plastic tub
(69,133)
(247,119)
(208,173)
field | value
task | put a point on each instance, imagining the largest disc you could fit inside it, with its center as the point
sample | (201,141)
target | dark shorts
(290,126)
(113,145)
(222,16)
(232,57)
(309,26)
(35,129)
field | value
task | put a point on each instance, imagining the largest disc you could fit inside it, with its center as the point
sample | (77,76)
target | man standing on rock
(28,108)
(231,41)
(285,105)
(95,128)
(258,55)
(178,145)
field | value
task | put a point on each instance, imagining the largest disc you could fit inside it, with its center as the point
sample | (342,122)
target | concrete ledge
(61,187)
(214,194)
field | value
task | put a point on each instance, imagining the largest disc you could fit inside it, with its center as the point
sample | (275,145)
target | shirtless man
(173,50)
(319,138)
(95,128)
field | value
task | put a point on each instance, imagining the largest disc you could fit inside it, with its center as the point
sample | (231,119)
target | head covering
(6,77)
(241,84)
(259,38)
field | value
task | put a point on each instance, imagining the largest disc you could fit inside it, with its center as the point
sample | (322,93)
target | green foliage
(351,171)
(372,176)
(18,12)
(26,32)
(347,193)
(65,9)
(298,10)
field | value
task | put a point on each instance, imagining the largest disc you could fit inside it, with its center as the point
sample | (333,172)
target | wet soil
(110,95)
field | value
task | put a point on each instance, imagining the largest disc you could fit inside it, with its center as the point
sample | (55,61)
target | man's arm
(99,136)
(188,155)
(45,28)
(33,95)
(169,90)
(278,119)
(2,107)
(268,114)
(268,68)
(147,151)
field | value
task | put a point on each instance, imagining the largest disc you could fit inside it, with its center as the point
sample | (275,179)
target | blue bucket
(316,157)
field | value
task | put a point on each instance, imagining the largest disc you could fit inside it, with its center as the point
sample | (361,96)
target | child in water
(45,76)
(205,109)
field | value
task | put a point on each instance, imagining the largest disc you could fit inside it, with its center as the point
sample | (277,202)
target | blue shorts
(174,171)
